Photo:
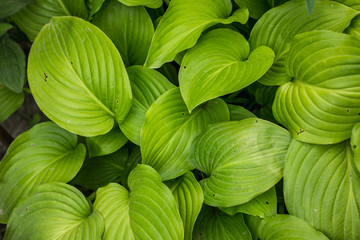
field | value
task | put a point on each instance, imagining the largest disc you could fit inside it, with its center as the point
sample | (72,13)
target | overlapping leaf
(55,211)
(146,3)
(93,6)
(130,29)
(182,24)
(169,130)
(238,113)
(9,102)
(4,27)
(322,103)
(241,160)
(149,211)
(46,153)
(219,64)
(277,27)
(322,186)
(9,7)
(35,15)
(77,77)
(146,85)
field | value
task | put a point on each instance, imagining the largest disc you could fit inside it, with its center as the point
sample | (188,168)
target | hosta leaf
(354,28)
(351,3)
(264,95)
(94,6)
(146,3)
(9,102)
(12,65)
(284,227)
(45,153)
(99,171)
(182,24)
(77,77)
(169,130)
(4,27)
(34,16)
(310,5)
(212,224)
(189,197)
(264,205)
(277,27)
(130,29)
(106,144)
(241,160)
(133,160)
(9,7)
(252,223)
(322,186)
(146,85)
(55,211)
(219,64)
(148,211)
(322,103)
(238,113)
(256,8)
(355,143)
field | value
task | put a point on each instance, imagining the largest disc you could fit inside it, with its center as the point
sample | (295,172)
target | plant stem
(5,138)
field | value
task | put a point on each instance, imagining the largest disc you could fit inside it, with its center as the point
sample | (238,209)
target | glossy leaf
(148,211)
(9,102)
(4,27)
(322,186)
(34,16)
(241,160)
(55,211)
(77,77)
(212,224)
(182,24)
(9,7)
(147,85)
(146,3)
(12,65)
(322,103)
(189,198)
(169,130)
(106,144)
(130,29)
(219,64)
(238,113)
(277,27)
(284,227)
(45,153)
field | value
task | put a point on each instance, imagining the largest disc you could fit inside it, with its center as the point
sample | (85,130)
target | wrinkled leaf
(9,102)
(77,84)
(238,113)
(146,3)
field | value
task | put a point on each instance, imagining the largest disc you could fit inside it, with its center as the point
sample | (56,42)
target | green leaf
(264,95)
(264,205)
(212,224)
(256,8)
(219,64)
(106,144)
(9,102)
(322,186)
(4,27)
(310,5)
(9,7)
(277,27)
(189,198)
(148,211)
(77,77)
(147,85)
(284,227)
(241,160)
(131,32)
(252,223)
(182,24)
(45,153)
(55,211)
(169,130)
(34,16)
(355,4)
(146,3)
(238,113)
(94,6)
(170,72)
(12,65)
(355,143)
(321,104)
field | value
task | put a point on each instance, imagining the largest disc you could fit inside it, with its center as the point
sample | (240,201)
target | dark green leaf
(4,27)
(9,7)
(9,102)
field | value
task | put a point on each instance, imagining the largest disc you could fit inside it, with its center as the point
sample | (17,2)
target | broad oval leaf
(148,211)
(182,24)
(169,130)
(322,103)
(34,16)
(277,27)
(9,102)
(77,77)
(12,65)
(106,144)
(189,198)
(55,211)
(45,153)
(147,85)
(241,160)
(219,64)
(322,186)
(285,227)
(146,3)
(212,224)
(130,29)
(238,113)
